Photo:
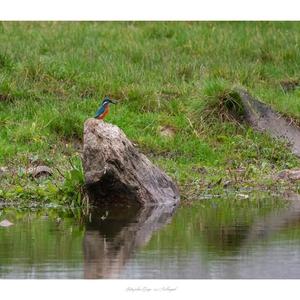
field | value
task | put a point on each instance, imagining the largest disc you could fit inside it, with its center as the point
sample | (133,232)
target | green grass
(53,75)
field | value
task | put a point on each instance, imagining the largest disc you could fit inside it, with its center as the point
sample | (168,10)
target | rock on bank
(115,172)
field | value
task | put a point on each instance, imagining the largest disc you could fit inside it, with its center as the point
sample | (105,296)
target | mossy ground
(164,74)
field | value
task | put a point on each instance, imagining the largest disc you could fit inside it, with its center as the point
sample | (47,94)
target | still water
(217,238)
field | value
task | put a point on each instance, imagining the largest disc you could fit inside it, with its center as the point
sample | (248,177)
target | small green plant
(72,189)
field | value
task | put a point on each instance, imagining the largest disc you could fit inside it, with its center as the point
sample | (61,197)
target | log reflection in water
(113,234)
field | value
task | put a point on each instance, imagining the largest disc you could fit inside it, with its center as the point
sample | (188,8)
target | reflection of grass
(218,224)
(39,236)
(52,76)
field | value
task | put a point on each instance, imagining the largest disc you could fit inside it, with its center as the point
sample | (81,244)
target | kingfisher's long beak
(113,101)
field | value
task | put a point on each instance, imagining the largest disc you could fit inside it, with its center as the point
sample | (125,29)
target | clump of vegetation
(220,104)
(72,189)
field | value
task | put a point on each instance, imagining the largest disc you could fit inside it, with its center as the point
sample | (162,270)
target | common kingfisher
(103,110)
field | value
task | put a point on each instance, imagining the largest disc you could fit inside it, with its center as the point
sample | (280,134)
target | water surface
(217,238)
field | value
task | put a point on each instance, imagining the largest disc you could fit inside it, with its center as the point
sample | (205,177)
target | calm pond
(217,238)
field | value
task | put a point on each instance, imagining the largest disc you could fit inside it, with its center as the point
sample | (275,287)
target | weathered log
(263,118)
(115,171)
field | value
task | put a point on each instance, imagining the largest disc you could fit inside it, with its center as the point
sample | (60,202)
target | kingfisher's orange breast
(105,113)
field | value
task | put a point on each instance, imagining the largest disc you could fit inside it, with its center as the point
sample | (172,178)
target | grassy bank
(166,75)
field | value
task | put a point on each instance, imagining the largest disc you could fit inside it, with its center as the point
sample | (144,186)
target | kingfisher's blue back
(100,111)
